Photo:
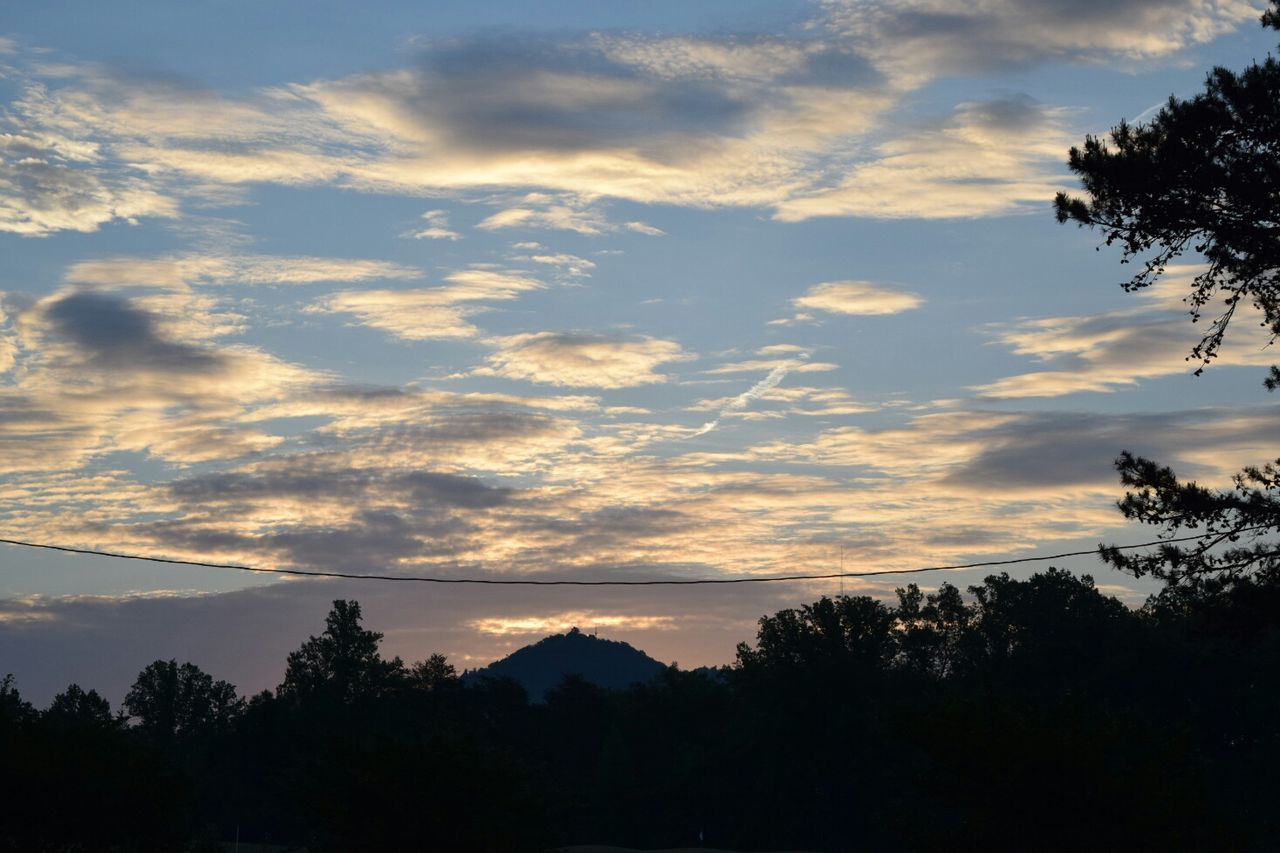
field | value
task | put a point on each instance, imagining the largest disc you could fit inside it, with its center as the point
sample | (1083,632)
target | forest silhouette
(1035,713)
(1029,713)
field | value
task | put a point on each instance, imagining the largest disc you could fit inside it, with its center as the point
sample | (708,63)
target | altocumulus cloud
(438,313)
(98,372)
(582,360)
(180,272)
(856,297)
(701,121)
(1118,349)
(50,184)
(988,158)
(920,39)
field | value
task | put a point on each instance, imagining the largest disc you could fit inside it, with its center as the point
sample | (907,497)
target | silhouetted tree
(75,707)
(13,708)
(1239,518)
(434,673)
(1202,176)
(935,635)
(1051,610)
(341,664)
(844,631)
(1021,705)
(170,701)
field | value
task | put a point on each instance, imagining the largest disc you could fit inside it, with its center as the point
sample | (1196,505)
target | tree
(1053,621)
(74,707)
(170,701)
(847,631)
(13,708)
(434,673)
(1202,176)
(343,663)
(935,633)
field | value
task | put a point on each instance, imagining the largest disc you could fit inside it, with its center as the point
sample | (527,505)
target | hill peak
(542,665)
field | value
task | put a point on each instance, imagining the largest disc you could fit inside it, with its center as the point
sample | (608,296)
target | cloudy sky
(574,290)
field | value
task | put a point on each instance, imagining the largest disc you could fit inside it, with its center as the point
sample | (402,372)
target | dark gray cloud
(1045,450)
(113,332)
(370,538)
(621,527)
(956,37)
(430,488)
(424,488)
(1016,112)
(829,66)
(476,427)
(516,93)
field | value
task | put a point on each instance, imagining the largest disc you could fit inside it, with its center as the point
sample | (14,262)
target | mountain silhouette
(543,665)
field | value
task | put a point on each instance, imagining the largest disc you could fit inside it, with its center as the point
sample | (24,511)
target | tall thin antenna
(842,570)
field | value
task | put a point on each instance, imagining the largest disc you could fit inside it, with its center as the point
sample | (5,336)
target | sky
(570,290)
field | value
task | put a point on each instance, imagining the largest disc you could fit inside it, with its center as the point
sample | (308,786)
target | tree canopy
(1024,704)
(343,662)
(171,700)
(1202,176)
(78,707)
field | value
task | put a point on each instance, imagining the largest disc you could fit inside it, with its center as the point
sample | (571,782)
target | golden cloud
(582,360)
(863,298)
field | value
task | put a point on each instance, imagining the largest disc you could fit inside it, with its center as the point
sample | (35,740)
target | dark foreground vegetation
(1032,713)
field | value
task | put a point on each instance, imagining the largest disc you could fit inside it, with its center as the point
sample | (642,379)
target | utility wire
(533,582)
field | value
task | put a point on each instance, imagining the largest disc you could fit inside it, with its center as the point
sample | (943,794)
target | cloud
(554,623)
(111,333)
(555,126)
(989,158)
(49,184)
(326,510)
(572,118)
(741,401)
(582,360)
(421,481)
(420,489)
(8,343)
(1056,455)
(925,38)
(179,271)
(413,315)
(265,269)
(116,337)
(566,265)
(558,212)
(437,227)
(769,364)
(582,213)
(1103,352)
(861,298)
(644,228)
(802,400)
(356,406)
(438,313)
(97,372)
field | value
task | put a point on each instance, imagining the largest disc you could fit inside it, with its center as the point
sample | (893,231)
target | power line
(533,582)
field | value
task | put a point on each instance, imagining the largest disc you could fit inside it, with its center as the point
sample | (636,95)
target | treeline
(1036,714)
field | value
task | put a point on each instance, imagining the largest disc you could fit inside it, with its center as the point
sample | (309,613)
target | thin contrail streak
(754,392)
